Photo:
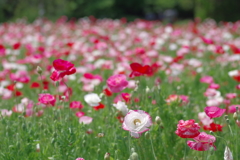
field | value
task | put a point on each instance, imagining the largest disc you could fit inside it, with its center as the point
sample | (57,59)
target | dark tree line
(221,10)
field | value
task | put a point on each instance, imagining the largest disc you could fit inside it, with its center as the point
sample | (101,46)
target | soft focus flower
(187,129)
(206,79)
(139,70)
(80,114)
(100,106)
(80,158)
(76,105)
(233,108)
(117,83)
(214,112)
(92,99)
(205,120)
(46,98)
(231,95)
(85,120)
(137,122)
(203,142)
(213,127)
(235,74)
(6,112)
(122,107)
(214,86)
(177,98)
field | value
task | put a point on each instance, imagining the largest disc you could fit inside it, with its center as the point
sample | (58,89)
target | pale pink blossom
(6,112)
(85,120)
(206,121)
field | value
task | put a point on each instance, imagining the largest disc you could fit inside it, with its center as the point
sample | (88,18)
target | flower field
(107,89)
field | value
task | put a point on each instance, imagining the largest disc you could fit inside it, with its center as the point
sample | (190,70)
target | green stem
(185,150)
(152,148)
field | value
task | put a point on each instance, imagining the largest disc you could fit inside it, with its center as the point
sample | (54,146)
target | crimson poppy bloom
(139,70)
(62,68)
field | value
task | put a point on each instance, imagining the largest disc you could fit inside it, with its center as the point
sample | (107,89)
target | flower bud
(134,156)
(107,156)
(147,135)
(235,116)
(39,70)
(100,135)
(98,151)
(147,89)
(38,147)
(158,120)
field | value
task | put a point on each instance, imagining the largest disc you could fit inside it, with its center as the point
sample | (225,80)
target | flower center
(137,122)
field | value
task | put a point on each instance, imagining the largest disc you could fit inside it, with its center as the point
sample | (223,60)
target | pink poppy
(231,95)
(233,108)
(46,98)
(214,112)
(76,104)
(187,129)
(62,65)
(80,114)
(117,83)
(214,86)
(202,142)
(206,79)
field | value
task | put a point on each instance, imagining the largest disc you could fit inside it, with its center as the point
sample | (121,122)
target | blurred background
(169,10)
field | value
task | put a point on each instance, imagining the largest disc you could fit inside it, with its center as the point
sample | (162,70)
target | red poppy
(213,127)
(100,106)
(107,92)
(16,46)
(35,85)
(139,70)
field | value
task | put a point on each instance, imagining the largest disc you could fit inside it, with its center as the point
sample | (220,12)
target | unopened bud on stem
(39,70)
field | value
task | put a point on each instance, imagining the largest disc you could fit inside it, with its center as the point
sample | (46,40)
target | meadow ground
(107,89)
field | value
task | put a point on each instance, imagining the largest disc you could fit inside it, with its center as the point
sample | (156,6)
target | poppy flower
(46,99)
(76,104)
(100,106)
(117,83)
(202,142)
(62,68)
(92,99)
(137,122)
(213,127)
(139,70)
(214,112)
(187,129)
